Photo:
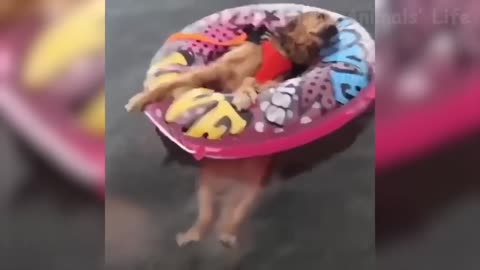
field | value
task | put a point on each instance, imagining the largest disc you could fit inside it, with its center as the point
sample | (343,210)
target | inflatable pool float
(203,121)
(51,92)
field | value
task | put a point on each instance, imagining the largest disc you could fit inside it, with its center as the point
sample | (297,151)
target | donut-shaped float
(52,88)
(326,96)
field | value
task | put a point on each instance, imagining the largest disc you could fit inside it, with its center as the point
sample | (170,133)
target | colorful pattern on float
(299,103)
(354,75)
(50,57)
(53,93)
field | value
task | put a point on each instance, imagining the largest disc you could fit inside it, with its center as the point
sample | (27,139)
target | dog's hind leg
(206,207)
(252,179)
(204,219)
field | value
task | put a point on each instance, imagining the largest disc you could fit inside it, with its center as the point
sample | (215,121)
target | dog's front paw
(228,240)
(137,102)
(243,100)
(188,237)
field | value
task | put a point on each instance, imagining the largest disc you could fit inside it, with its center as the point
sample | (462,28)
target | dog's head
(304,36)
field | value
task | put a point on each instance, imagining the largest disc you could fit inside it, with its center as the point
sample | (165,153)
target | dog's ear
(248,28)
(289,27)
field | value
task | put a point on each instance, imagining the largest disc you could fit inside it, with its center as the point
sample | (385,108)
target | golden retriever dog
(299,41)
(240,181)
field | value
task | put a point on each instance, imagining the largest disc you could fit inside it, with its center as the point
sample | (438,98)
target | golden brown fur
(234,186)
(300,40)
(241,181)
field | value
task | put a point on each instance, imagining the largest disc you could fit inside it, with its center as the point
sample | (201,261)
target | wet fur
(241,181)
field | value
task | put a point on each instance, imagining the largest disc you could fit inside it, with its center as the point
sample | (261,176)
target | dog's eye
(321,16)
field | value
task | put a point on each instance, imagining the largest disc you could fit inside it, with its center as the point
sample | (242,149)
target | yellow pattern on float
(93,115)
(77,34)
(153,81)
(207,123)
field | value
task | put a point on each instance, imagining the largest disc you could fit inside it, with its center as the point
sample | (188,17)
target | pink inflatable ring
(324,98)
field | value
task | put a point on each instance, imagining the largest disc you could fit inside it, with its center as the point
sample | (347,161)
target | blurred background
(52,134)
(322,218)
(427,134)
